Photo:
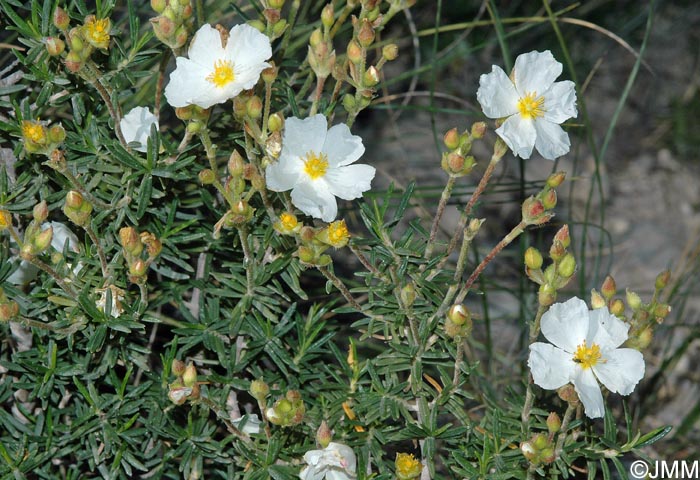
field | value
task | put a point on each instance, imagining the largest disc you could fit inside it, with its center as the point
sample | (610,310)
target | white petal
(347,453)
(136,127)
(552,141)
(519,134)
(248,49)
(310,473)
(188,86)
(497,94)
(341,146)
(314,199)
(349,182)
(251,426)
(534,72)
(551,367)
(25,273)
(589,392)
(566,324)
(206,47)
(304,136)
(611,331)
(560,102)
(62,236)
(284,174)
(620,370)
(245,77)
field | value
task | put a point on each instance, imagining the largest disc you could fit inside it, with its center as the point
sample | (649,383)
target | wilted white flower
(335,462)
(315,164)
(117,299)
(533,104)
(213,73)
(136,127)
(62,237)
(585,351)
(250,426)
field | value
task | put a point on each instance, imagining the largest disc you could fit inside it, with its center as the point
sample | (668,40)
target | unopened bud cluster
(79,42)
(288,410)
(185,387)
(139,251)
(458,322)
(558,273)
(537,210)
(315,241)
(538,450)
(456,161)
(173,23)
(643,317)
(37,239)
(272,24)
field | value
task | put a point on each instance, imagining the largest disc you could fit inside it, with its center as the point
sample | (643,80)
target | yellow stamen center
(98,30)
(289,221)
(34,132)
(222,74)
(338,232)
(587,356)
(531,106)
(315,165)
(407,466)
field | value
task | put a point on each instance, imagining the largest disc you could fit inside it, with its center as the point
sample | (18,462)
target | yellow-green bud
(662,280)
(257,24)
(259,390)
(56,134)
(549,199)
(254,107)
(269,75)
(40,212)
(138,268)
(366,34)
(567,266)
(553,422)
(61,20)
(370,77)
(159,5)
(276,122)
(597,300)
(189,377)
(546,295)
(459,314)
(316,38)
(306,254)
(327,16)
(349,102)
(207,176)
(533,258)
(662,310)
(478,130)
(354,52)
(408,294)
(42,240)
(556,179)
(617,307)
(633,300)
(390,52)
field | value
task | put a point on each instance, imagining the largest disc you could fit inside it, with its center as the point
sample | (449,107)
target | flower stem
(320,82)
(341,287)
(512,235)
(446,192)
(248,261)
(562,431)
(100,253)
(61,283)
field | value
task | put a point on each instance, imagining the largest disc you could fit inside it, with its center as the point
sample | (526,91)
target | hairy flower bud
(177,367)
(567,266)
(633,300)
(327,16)
(189,377)
(617,307)
(390,52)
(451,139)
(259,390)
(553,422)
(533,258)
(276,122)
(324,435)
(366,33)
(662,280)
(40,212)
(54,45)
(354,52)
(609,288)
(478,130)
(61,20)
(597,300)
(556,179)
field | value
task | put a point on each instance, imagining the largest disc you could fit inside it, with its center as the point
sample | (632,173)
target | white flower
(533,103)
(62,237)
(213,73)
(315,164)
(335,462)
(585,351)
(251,425)
(136,127)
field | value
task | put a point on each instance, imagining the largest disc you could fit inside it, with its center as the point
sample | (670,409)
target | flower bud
(73,62)
(276,122)
(189,377)
(178,394)
(137,269)
(597,300)
(306,254)
(370,77)
(549,199)
(257,24)
(254,107)
(207,176)
(349,103)
(40,212)
(608,289)
(451,139)
(617,307)
(269,75)
(307,234)
(366,34)
(478,130)
(54,45)
(159,5)
(533,258)
(324,435)
(408,294)
(567,266)
(61,20)
(56,134)
(278,4)
(42,240)
(533,212)
(556,179)
(568,394)
(259,390)
(327,16)
(633,300)
(661,311)
(459,314)
(641,340)
(407,467)
(178,367)
(662,280)
(354,52)
(563,237)
(553,422)
(390,52)
(272,15)
(131,241)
